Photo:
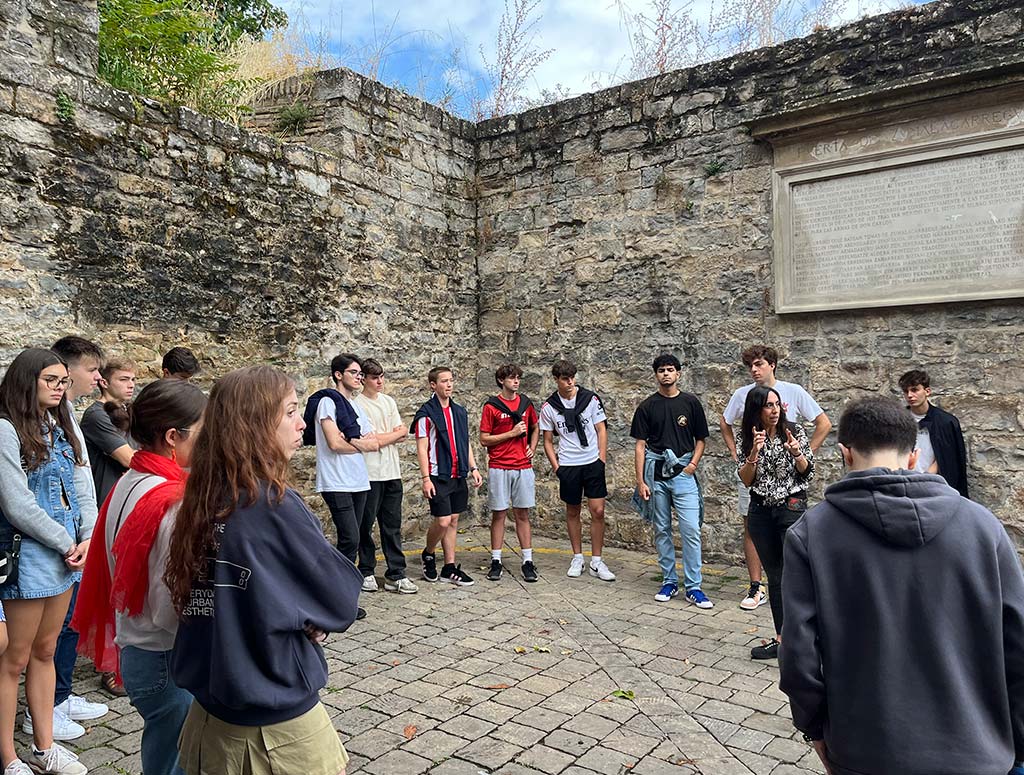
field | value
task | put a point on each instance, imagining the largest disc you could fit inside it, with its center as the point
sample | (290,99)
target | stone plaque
(895,217)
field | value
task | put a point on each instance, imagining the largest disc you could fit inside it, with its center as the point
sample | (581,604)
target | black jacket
(948,442)
(434,412)
(240,649)
(903,642)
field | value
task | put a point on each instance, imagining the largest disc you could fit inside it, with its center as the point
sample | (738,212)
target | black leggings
(767,526)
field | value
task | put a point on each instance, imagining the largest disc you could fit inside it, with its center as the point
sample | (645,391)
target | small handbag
(9,562)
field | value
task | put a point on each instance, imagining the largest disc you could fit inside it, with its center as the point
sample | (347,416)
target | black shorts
(576,481)
(451,496)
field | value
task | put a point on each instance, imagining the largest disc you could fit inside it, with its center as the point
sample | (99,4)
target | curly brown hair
(237,456)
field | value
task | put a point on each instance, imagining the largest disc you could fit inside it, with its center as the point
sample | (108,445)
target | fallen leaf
(751,631)
(625,694)
(498,686)
(395,662)
(566,653)
(461,531)
(519,650)
(409,732)
(544,632)
(542,649)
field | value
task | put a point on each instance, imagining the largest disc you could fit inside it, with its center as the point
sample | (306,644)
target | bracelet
(474,468)
(750,462)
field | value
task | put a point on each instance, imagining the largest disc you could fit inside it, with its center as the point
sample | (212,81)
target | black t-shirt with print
(670,423)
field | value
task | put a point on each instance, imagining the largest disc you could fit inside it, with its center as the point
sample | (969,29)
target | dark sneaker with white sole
(429,566)
(529,571)
(454,574)
(769,649)
(495,571)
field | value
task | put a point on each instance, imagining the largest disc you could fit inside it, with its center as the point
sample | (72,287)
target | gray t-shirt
(101,439)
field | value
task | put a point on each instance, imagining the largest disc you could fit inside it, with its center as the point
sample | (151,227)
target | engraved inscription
(937,227)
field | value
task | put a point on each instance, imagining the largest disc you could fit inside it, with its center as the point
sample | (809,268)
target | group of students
(211,585)
(202,580)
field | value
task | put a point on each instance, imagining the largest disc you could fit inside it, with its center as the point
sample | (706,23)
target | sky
(439,48)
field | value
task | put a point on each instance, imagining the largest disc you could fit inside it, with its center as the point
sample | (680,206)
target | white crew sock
(594,559)
(496,554)
(527,555)
(578,557)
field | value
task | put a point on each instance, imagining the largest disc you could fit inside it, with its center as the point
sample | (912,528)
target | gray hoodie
(903,643)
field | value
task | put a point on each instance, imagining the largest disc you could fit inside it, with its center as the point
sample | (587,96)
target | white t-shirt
(795,400)
(926,453)
(383,466)
(570,451)
(336,472)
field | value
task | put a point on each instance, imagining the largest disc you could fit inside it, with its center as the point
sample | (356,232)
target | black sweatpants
(767,526)
(346,512)
(383,506)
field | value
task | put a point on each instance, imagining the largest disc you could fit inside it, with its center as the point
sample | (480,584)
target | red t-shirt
(426,429)
(511,454)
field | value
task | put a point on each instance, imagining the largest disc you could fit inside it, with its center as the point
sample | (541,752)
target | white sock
(496,554)
(527,555)
(595,559)
(578,557)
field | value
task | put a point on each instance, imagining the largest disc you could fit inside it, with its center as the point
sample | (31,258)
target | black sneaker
(767,650)
(429,566)
(529,571)
(360,614)
(495,572)
(455,575)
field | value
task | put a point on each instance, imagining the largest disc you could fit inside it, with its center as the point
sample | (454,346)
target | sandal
(110,683)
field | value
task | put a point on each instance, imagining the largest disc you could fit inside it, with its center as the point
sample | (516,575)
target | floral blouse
(775,476)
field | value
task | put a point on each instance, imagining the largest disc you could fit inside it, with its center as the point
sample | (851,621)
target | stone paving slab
(509,678)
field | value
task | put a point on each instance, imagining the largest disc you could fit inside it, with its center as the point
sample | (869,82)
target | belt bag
(9,562)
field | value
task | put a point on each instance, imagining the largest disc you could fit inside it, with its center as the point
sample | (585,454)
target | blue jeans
(162,705)
(680,492)
(65,654)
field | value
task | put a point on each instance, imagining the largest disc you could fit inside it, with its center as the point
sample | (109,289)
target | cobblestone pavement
(514,678)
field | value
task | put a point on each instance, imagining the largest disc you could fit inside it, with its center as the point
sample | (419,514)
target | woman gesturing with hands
(776,463)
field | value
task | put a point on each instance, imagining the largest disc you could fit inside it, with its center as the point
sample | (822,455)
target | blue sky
(428,44)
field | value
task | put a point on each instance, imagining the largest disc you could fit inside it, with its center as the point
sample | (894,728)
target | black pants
(767,526)
(383,506)
(346,512)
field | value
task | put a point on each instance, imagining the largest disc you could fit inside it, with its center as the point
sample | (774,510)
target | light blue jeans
(679,493)
(162,705)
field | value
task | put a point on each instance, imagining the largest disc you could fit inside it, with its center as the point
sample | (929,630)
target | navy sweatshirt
(240,649)
(903,643)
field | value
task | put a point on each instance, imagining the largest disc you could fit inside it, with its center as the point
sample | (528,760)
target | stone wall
(638,219)
(604,228)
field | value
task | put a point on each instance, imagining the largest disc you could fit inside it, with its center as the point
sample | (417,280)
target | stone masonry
(604,228)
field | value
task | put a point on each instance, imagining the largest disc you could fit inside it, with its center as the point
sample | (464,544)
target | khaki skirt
(307,745)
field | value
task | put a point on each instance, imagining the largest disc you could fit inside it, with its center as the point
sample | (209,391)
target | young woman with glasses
(47,506)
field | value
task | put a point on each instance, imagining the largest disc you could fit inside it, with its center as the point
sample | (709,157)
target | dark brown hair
(507,370)
(915,377)
(162,405)
(71,349)
(436,372)
(875,423)
(19,404)
(237,455)
(371,368)
(762,352)
(563,368)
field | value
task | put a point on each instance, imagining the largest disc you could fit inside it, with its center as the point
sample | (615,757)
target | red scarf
(99,596)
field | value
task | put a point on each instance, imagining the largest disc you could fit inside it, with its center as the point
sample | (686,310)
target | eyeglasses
(354,372)
(52,381)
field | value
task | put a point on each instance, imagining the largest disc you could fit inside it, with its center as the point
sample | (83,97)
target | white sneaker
(63,727)
(575,568)
(600,570)
(370,584)
(18,767)
(80,709)
(402,587)
(57,760)
(755,597)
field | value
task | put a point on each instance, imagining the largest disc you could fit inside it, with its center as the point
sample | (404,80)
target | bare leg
(449,537)
(750,555)
(575,527)
(596,506)
(498,528)
(23,618)
(40,678)
(523,528)
(434,533)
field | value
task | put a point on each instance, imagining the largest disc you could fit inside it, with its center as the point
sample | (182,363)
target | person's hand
(760,437)
(520,428)
(477,479)
(404,432)
(690,469)
(373,441)
(529,452)
(791,445)
(822,749)
(75,559)
(314,634)
(428,489)
(735,455)
(644,490)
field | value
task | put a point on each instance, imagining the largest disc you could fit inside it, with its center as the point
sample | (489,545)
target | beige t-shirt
(384,465)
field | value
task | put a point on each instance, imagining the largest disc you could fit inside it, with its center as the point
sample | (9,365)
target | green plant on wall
(293,119)
(65,108)
(714,167)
